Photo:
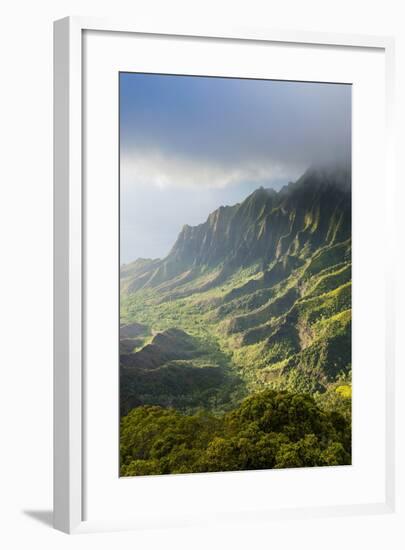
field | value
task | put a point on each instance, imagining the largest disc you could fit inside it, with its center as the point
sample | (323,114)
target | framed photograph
(223,327)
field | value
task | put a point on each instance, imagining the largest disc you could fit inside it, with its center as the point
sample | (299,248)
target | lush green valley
(250,310)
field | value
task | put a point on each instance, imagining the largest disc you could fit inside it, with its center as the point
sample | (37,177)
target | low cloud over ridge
(180,131)
(189,144)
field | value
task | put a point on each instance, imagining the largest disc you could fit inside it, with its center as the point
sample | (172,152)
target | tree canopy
(271,429)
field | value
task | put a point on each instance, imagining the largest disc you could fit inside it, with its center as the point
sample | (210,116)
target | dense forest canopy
(268,430)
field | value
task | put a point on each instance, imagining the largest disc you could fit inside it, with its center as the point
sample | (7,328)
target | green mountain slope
(263,291)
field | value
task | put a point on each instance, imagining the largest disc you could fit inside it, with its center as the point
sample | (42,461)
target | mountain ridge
(266,226)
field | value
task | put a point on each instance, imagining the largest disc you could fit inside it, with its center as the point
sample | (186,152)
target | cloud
(164,169)
(188,131)
(190,144)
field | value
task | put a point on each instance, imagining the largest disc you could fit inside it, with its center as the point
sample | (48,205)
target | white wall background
(26,269)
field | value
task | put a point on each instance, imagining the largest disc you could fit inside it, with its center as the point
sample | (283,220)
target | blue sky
(191,144)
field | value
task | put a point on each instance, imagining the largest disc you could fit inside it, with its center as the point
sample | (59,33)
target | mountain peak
(329,173)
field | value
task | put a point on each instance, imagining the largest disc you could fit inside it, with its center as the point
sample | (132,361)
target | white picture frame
(69,212)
